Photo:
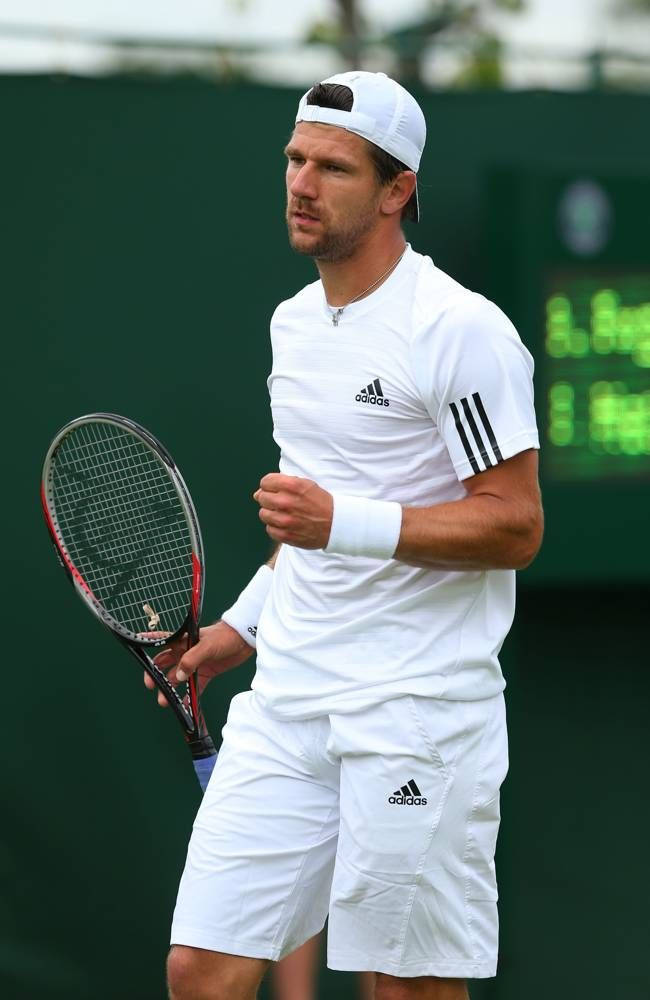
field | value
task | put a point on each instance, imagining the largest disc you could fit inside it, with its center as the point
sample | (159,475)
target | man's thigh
(414,890)
(260,859)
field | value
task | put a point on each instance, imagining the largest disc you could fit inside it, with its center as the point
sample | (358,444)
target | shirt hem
(301,710)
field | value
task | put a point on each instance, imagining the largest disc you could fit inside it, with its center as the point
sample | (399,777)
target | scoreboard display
(569,262)
(596,375)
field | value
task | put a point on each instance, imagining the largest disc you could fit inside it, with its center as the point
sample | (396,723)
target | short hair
(387,167)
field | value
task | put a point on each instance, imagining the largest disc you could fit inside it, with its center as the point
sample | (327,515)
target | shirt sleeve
(476,381)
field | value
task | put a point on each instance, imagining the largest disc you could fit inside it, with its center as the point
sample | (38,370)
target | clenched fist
(295,511)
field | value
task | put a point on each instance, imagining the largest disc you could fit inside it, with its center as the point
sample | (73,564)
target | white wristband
(362,527)
(245,613)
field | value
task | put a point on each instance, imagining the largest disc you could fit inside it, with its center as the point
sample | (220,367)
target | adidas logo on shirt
(372,394)
(408,795)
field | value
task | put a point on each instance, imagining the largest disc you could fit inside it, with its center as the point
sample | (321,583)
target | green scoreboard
(596,376)
(568,259)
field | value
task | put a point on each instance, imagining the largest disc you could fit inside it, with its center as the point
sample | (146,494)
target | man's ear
(398,192)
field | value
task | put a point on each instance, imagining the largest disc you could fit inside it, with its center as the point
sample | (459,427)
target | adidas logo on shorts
(408,795)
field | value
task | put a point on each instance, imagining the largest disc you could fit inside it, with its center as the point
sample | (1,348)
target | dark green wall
(142,253)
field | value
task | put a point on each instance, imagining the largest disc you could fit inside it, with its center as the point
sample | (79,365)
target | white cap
(383,112)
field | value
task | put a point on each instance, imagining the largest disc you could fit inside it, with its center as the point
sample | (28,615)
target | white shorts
(384,819)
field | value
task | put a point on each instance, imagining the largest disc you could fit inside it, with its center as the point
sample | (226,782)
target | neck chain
(338,312)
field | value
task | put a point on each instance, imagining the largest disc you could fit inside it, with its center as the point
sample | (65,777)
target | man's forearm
(498,525)
(479,532)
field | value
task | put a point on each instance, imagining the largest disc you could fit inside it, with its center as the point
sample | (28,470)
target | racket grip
(204,757)
(203,769)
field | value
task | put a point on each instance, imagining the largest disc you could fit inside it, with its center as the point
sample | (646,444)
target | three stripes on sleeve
(473,417)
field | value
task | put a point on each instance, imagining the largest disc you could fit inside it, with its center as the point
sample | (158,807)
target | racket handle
(203,768)
(204,757)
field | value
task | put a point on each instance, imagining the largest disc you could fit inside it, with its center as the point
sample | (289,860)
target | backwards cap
(383,112)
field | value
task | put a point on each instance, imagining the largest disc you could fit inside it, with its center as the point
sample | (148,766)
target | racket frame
(187,711)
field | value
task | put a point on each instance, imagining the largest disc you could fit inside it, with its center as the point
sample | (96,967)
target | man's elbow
(529,538)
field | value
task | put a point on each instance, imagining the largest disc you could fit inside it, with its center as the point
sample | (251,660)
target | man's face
(333,194)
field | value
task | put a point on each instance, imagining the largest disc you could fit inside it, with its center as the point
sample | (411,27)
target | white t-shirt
(421,385)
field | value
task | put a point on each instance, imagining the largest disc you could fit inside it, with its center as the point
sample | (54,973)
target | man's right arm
(221,646)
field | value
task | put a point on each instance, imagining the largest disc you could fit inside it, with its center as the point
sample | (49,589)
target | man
(360,777)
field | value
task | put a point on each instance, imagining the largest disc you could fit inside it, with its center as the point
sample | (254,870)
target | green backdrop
(143,251)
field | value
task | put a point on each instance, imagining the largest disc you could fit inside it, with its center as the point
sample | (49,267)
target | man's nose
(303,184)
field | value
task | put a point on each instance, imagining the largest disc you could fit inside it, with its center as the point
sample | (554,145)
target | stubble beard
(337,245)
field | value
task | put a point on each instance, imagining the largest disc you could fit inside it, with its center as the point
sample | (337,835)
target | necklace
(338,312)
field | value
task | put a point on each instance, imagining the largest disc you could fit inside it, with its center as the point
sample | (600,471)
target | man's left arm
(498,525)
(475,378)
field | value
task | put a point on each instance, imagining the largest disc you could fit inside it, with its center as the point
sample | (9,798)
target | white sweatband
(362,527)
(245,613)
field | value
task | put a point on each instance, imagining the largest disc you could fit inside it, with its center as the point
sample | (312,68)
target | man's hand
(295,511)
(219,649)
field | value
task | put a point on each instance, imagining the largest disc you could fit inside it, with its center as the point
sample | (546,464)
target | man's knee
(419,988)
(197,974)
(188,974)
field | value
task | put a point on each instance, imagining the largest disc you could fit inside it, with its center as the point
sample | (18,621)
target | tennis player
(359,778)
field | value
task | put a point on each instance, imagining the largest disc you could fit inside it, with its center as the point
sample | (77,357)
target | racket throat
(200,746)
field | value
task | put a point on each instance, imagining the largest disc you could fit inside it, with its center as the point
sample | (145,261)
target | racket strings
(124,526)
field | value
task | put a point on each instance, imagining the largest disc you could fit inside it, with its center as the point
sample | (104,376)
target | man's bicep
(514,480)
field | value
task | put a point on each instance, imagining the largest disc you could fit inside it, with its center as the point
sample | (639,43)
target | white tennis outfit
(360,777)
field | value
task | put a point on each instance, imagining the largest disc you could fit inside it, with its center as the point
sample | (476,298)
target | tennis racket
(124,527)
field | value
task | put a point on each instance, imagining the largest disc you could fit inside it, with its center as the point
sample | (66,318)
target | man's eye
(335,167)
(296,160)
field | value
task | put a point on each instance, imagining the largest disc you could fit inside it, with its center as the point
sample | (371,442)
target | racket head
(126,532)
(125,528)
